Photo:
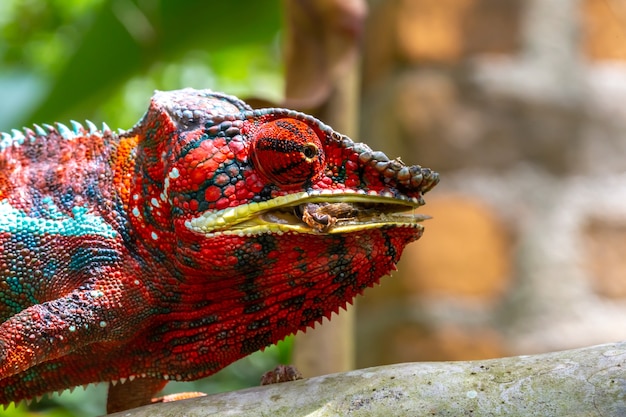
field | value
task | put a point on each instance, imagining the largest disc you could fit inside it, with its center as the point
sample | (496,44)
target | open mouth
(342,217)
(311,213)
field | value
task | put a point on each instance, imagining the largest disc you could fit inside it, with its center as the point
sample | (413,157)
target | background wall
(519,105)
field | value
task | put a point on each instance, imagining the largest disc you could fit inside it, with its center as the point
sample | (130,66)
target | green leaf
(127,37)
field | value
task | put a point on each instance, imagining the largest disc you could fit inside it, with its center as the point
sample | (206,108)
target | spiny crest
(413,176)
(264,119)
(18,138)
(47,395)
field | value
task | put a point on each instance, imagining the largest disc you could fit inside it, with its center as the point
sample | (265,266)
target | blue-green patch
(54,222)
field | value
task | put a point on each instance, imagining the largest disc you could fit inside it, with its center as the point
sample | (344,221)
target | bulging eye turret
(287,152)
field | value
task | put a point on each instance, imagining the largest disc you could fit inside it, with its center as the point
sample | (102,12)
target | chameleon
(204,233)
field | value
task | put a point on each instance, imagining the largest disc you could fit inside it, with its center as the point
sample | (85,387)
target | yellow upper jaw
(267,217)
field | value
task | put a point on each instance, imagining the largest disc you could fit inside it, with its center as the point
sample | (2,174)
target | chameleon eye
(287,152)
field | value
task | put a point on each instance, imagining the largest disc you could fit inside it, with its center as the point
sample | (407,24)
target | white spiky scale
(105,128)
(18,136)
(92,127)
(6,140)
(64,131)
(77,127)
(39,131)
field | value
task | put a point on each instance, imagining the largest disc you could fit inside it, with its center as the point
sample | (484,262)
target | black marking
(258,324)
(390,249)
(253,308)
(291,128)
(280,145)
(256,342)
(86,259)
(310,315)
(293,303)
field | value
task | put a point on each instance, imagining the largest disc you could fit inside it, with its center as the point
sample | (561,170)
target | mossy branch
(582,382)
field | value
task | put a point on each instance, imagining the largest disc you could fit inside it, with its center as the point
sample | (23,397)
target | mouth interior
(311,214)
(325,217)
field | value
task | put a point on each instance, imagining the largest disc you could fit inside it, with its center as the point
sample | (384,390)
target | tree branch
(582,382)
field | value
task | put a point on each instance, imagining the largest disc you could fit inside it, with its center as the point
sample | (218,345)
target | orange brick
(605,242)
(604,29)
(465,251)
(410,343)
(431,30)
(494,27)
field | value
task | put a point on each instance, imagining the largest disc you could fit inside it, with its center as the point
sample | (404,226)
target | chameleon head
(285,208)
(276,171)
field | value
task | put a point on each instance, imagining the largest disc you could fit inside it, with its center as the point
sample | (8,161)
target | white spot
(96,293)
(136,282)
(174,173)
(135,212)
(72,328)
(154,236)
(135,197)
(155,202)
(103,324)
(472,394)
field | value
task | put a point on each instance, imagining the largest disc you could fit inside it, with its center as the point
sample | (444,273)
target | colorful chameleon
(205,233)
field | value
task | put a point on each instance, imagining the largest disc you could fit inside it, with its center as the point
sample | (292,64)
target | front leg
(58,327)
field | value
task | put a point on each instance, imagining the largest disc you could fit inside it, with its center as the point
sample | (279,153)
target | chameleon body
(204,233)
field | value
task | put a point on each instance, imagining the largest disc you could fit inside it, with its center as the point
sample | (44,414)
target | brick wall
(519,105)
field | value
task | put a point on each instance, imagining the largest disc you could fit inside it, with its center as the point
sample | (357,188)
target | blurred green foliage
(101,60)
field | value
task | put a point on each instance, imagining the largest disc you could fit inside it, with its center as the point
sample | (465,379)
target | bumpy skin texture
(171,250)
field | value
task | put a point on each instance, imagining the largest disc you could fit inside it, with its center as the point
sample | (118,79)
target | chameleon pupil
(310,150)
